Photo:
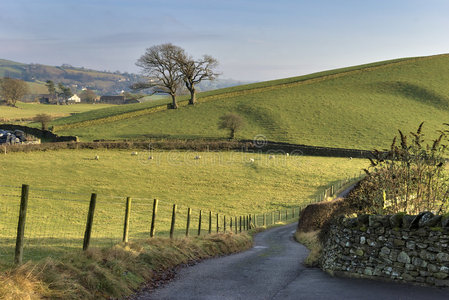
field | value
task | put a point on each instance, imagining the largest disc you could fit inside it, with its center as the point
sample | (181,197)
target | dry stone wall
(397,247)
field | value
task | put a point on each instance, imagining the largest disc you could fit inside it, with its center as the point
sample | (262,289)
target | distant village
(84,96)
(51,99)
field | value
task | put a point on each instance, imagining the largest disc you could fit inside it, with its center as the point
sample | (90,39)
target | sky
(253,40)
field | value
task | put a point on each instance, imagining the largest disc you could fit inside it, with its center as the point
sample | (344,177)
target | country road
(273,269)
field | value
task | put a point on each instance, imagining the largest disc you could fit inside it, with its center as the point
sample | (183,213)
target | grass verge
(113,272)
(311,241)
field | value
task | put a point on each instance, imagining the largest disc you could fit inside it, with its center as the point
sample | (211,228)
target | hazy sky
(252,39)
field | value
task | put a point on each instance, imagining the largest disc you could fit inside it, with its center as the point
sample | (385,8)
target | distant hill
(102,81)
(355,107)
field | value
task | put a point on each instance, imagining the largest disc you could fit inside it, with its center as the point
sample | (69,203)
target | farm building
(117,100)
(48,99)
(112,99)
(74,99)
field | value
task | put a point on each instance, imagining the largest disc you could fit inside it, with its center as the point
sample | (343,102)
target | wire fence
(56,222)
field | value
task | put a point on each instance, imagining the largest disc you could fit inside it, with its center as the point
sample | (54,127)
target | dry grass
(21,283)
(114,272)
(311,241)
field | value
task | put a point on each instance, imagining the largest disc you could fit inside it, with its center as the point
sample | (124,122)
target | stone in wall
(396,247)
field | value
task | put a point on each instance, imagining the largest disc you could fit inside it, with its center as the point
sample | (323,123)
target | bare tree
(232,122)
(159,63)
(13,90)
(194,71)
(44,119)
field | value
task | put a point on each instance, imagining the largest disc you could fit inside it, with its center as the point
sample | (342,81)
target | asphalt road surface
(273,269)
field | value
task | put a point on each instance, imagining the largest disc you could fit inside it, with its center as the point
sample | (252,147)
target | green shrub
(409,178)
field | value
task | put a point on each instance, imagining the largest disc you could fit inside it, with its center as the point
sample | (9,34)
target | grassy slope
(29,110)
(224,183)
(111,111)
(225,92)
(360,108)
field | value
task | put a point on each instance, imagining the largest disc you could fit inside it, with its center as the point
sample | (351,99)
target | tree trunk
(192,100)
(232,134)
(174,104)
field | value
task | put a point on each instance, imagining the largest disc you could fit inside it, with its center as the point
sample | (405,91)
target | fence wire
(9,214)
(53,224)
(56,220)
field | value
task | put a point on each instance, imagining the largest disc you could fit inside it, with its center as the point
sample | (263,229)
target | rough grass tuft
(113,272)
(22,283)
(311,241)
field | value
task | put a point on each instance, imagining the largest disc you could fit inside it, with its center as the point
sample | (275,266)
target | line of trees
(169,67)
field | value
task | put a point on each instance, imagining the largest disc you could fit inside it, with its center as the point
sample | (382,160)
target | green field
(223,182)
(26,111)
(357,107)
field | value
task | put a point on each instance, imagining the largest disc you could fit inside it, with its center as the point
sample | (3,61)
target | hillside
(103,82)
(361,106)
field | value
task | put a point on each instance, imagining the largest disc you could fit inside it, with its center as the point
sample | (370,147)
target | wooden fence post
(286,214)
(264,221)
(279,216)
(153,219)
(126,225)
(188,221)
(272,217)
(90,221)
(235,226)
(18,256)
(210,222)
(240,223)
(218,223)
(199,222)
(224,223)
(230,224)
(173,221)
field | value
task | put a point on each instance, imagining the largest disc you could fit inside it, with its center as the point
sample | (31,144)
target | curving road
(273,269)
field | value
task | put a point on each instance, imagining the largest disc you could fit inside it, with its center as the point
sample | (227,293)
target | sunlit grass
(226,183)
(26,111)
(362,109)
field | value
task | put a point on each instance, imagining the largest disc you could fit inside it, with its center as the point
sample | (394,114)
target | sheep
(150,157)
(198,157)
(97,157)
(251,160)
(287,154)
(134,153)
(271,157)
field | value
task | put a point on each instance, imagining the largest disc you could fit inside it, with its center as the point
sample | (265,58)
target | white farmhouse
(74,99)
